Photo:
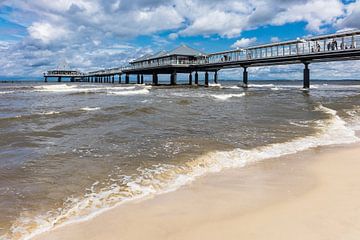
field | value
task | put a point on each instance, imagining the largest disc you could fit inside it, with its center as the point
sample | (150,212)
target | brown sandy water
(69,150)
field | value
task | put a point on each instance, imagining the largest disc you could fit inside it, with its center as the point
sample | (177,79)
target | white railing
(338,42)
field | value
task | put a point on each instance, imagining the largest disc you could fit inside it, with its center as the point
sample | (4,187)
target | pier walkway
(341,46)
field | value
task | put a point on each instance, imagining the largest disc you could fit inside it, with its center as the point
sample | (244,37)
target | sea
(69,151)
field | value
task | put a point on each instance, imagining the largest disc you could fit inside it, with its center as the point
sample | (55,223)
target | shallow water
(69,150)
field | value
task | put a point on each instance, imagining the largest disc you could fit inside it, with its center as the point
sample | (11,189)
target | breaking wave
(163,178)
(224,97)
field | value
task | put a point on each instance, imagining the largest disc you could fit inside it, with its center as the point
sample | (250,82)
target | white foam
(275,88)
(6,92)
(89,109)
(261,85)
(224,97)
(165,178)
(130,93)
(354,121)
(49,113)
(214,85)
(56,88)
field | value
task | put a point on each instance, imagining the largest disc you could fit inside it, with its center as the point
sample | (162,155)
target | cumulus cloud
(352,18)
(46,32)
(275,39)
(88,33)
(244,42)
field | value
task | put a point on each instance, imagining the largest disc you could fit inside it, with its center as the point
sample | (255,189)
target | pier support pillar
(206,79)
(216,77)
(196,78)
(190,79)
(173,78)
(142,79)
(245,78)
(138,79)
(113,79)
(155,79)
(119,78)
(127,79)
(306,76)
(59,79)
(46,79)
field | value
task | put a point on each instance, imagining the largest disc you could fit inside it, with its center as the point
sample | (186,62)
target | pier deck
(343,46)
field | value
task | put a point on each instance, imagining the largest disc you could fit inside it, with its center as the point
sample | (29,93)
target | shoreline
(234,201)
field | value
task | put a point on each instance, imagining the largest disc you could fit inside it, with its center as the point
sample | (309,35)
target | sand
(309,195)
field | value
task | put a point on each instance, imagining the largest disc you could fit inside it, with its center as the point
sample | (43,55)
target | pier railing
(333,43)
(307,46)
(340,42)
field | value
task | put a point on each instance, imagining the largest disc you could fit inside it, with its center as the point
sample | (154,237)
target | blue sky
(39,35)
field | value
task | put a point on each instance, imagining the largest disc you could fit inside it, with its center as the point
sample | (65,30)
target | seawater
(71,150)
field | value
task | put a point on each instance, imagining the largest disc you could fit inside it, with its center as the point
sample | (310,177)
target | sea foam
(224,97)
(162,178)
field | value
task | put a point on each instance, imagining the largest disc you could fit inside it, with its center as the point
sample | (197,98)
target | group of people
(332,46)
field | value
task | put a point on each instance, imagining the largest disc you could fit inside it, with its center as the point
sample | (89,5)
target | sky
(86,35)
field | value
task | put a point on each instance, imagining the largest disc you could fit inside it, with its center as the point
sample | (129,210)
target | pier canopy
(182,55)
(70,73)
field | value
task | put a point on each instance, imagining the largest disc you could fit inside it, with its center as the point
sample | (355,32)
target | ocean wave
(49,113)
(354,121)
(224,97)
(164,178)
(261,85)
(6,92)
(130,93)
(215,85)
(66,88)
(89,109)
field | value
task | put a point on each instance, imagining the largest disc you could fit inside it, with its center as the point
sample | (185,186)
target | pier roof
(182,50)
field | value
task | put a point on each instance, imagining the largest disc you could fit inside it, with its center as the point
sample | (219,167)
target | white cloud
(317,14)
(84,32)
(275,39)
(47,32)
(244,42)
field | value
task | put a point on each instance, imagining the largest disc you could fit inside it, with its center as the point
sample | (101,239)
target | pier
(343,46)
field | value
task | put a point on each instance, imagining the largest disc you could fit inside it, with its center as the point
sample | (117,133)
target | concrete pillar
(245,77)
(113,79)
(190,78)
(306,76)
(216,77)
(127,79)
(138,80)
(59,79)
(46,79)
(142,79)
(196,78)
(173,78)
(155,79)
(206,79)
(119,78)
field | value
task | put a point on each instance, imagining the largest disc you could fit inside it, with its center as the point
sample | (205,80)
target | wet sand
(310,195)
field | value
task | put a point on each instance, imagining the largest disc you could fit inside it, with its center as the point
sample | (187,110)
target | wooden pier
(343,46)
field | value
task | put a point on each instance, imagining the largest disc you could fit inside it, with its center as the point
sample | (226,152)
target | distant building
(182,55)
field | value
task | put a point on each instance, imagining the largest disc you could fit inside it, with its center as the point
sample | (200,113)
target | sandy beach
(309,195)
